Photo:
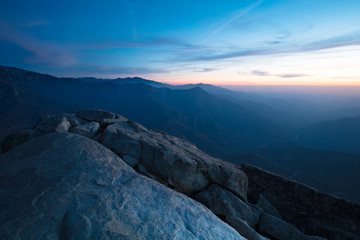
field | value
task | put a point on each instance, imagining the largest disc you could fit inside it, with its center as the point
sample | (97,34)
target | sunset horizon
(252,42)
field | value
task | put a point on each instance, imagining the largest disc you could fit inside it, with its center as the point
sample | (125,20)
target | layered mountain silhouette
(213,123)
(243,126)
(341,134)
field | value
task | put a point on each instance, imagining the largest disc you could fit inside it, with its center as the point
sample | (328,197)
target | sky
(240,42)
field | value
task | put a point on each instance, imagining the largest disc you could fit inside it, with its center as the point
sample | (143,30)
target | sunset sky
(257,42)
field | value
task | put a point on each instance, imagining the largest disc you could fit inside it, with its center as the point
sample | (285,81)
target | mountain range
(242,127)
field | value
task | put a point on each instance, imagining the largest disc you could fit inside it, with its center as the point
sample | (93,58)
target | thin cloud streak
(206,70)
(153,42)
(259,73)
(288,75)
(292,75)
(240,13)
(336,42)
(43,52)
(83,70)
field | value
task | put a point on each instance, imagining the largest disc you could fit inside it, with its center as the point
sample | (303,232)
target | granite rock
(64,186)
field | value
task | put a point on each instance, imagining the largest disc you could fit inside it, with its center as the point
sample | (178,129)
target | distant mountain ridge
(217,120)
(341,134)
(215,124)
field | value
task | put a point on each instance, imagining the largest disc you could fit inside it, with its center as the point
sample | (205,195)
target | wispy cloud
(287,75)
(151,42)
(239,13)
(292,75)
(205,70)
(81,70)
(274,48)
(42,51)
(259,73)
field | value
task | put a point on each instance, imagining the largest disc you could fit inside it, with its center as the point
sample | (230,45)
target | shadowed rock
(267,207)
(280,230)
(64,186)
(244,229)
(311,211)
(224,203)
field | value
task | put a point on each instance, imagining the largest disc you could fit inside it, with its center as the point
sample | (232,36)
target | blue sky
(306,42)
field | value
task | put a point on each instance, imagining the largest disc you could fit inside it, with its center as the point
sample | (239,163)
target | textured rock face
(170,160)
(58,185)
(223,203)
(311,211)
(278,229)
(64,186)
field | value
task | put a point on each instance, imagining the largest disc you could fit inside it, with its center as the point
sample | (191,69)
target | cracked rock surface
(65,186)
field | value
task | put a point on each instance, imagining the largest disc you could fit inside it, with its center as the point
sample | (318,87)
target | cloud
(218,54)
(288,75)
(259,73)
(81,70)
(205,70)
(292,75)
(42,51)
(207,57)
(335,42)
(152,42)
(239,13)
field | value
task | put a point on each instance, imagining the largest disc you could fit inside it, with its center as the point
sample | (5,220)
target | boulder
(88,130)
(267,207)
(244,229)
(172,160)
(53,123)
(98,115)
(130,160)
(64,186)
(169,160)
(280,230)
(224,203)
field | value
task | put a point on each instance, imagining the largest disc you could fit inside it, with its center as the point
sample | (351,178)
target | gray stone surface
(98,115)
(130,160)
(311,211)
(224,203)
(53,123)
(267,207)
(244,229)
(64,186)
(280,230)
(170,160)
(173,160)
(88,130)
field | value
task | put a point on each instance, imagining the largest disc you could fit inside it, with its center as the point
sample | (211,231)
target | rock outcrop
(311,211)
(82,176)
(64,186)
